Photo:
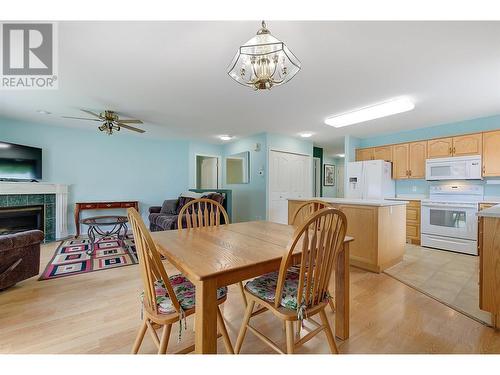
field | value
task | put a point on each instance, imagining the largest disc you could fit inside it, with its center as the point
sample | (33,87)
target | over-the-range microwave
(456,168)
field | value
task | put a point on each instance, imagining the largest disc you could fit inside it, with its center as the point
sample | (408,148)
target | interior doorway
(207,172)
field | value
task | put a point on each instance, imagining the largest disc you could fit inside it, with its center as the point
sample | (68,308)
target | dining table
(213,257)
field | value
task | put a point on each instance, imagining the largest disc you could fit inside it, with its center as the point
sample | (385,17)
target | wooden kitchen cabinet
(408,160)
(382,153)
(491,154)
(416,164)
(413,222)
(470,144)
(363,154)
(400,157)
(440,148)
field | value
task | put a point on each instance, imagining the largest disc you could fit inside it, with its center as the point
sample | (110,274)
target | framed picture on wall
(329,175)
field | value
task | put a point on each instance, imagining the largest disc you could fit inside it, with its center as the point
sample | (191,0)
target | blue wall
(129,167)
(100,167)
(443,130)
(331,191)
(249,200)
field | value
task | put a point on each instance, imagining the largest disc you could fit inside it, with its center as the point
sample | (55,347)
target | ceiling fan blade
(131,121)
(82,118)
(91,113)
(122,125)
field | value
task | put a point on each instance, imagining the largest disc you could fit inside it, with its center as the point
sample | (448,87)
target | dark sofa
(165,217)
(19,257)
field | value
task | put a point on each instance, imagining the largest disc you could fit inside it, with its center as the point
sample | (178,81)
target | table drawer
(110,205)
(88,206)
(128,204)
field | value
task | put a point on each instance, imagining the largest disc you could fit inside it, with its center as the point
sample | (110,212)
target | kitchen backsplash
(419,187)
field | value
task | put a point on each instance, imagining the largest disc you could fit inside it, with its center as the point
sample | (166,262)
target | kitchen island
(378,228)
(489,262)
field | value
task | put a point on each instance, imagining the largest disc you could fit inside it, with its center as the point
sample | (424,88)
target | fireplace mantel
(60,190)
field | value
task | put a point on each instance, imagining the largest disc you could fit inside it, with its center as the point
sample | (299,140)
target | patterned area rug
(71,257)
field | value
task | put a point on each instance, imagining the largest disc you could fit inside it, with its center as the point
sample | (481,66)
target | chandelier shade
(263,62)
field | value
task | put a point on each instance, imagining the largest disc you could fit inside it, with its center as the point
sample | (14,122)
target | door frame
(219,169)
(317,177)
(268,174)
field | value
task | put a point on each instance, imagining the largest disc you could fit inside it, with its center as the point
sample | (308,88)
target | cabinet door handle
(409,173)
(454,150)
(450,151)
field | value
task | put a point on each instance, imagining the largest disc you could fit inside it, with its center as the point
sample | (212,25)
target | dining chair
(296,293)
(303,212)
(203,212)
(166,299)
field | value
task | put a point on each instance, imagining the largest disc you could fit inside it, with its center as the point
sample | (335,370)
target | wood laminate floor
(99,312)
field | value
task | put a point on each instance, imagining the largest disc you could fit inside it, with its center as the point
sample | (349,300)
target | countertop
(490,212)
(416,197)
(357,202)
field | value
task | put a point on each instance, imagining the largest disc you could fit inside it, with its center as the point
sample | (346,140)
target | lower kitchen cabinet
(413,222)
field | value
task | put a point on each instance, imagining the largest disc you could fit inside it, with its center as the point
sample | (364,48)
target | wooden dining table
(214,257)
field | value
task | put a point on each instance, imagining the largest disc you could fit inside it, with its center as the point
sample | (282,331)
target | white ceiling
(173,76)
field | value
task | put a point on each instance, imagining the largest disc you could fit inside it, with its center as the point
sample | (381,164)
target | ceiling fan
(110,121)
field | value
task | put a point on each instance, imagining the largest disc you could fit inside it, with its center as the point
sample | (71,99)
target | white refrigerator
(370,179)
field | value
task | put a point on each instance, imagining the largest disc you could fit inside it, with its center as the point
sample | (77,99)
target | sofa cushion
(163,221)
(169,207)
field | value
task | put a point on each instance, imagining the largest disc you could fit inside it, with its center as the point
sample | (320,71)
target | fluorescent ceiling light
(384,109)
(44,112)
(340,155)
(4,145)
(225,137)
(306,135)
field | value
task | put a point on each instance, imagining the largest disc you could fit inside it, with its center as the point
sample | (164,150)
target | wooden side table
(81,206)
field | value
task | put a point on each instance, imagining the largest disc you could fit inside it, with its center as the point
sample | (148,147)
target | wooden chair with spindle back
(304,212)
(166,300)
(203,212)
(300,292)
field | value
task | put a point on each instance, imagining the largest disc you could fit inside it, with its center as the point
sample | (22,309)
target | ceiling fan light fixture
(263,62)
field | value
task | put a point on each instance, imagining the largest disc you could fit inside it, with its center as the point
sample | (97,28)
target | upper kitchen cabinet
(374,153)
(400,158)
(416,164)
(470,144)
(491,154)
(440,148)
(382,153)
(363,154)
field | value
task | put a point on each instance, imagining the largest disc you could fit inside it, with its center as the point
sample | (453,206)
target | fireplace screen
(20,219)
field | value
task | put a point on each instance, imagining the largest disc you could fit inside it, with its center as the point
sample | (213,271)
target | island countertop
(490,212)
(353,201)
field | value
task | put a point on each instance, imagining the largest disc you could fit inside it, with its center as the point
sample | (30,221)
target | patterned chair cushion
(184,290)
(265,287)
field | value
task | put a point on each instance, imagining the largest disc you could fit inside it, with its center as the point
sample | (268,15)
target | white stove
(448,217)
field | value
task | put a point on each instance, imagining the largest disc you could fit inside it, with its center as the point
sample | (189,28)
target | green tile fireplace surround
(47,200)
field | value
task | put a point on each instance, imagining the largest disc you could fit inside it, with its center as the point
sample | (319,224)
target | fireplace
(19,219)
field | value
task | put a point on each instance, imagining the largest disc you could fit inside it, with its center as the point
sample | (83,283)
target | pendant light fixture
(263,62)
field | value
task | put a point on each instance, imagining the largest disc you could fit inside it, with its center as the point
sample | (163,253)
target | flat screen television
(20,163)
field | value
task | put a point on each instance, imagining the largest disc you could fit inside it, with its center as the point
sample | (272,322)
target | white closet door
(289,177)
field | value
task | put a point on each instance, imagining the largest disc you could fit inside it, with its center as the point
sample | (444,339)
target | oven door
(458,221)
